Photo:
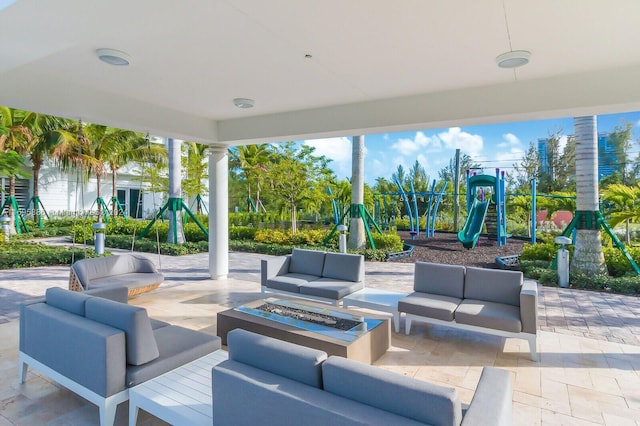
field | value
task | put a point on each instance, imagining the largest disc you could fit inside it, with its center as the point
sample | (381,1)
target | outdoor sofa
(266,381)
(98,346)
(486,300)
(135,272)
(310,274)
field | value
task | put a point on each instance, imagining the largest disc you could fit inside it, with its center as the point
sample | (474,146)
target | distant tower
(608,162)
(543,144)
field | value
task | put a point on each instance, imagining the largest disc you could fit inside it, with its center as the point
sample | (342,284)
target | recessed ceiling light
(513,59)
(243,103)
(113,57)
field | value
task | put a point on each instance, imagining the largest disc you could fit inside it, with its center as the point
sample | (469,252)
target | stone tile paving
(594,315)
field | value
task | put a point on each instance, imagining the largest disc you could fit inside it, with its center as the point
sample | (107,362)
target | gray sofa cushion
(133,320)
(177,346)
(330,288)
(343,266)
(308,262)
(434,278)
(286,359)
(66,300)
(429,305)
(395,393)
(498,316)
(245,395)
(130,280)
(493,285)
(290,282)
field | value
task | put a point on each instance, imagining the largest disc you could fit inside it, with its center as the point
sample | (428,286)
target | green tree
(253,161)
(296,176)
(619,159)
(195,164)
(448,173)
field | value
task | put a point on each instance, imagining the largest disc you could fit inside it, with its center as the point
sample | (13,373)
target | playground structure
(410,199)
(485,209)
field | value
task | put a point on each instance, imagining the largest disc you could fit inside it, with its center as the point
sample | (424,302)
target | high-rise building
(608,162)
(542,154)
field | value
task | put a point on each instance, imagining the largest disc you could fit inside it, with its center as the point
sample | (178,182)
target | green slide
(473,226)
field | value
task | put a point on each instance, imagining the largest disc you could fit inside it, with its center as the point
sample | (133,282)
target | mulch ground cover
(444,247)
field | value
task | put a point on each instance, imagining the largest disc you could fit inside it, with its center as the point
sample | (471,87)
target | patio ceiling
(376,65)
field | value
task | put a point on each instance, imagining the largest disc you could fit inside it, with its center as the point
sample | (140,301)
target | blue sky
(494,145)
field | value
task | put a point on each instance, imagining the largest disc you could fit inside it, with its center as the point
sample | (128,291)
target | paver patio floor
(589,345)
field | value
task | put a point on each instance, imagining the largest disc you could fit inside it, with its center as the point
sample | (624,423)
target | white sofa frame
(107,406)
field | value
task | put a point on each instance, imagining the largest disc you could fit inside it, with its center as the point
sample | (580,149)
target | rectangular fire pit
(330,329)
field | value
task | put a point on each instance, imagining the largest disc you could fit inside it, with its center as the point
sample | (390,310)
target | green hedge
(25,255)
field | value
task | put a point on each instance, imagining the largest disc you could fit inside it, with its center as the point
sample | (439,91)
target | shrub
(540,251)
(25,255)
(390,243)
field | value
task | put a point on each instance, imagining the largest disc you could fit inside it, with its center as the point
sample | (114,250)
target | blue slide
(469,235)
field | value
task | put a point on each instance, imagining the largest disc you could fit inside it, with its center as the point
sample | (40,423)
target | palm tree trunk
(114,193)
(36,191)
(357,235)
(175,192)
(294,219)
(97,197)
(588,257)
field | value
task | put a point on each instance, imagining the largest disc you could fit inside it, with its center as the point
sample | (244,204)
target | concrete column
(218,213)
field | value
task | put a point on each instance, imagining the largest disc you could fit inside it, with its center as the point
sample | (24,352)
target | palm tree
(195,164)
(624,200)
(588,257)
(357,237)
(132,147)
(254,162)
(17,134)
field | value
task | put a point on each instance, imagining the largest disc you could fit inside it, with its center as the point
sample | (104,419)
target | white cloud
(336,149)
(454,138)
(420,142)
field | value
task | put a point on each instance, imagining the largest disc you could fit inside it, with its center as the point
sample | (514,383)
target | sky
(493,145)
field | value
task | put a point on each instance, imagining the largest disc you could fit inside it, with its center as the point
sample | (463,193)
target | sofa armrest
(273,266)
(86,352)
(491,403)
(529,307)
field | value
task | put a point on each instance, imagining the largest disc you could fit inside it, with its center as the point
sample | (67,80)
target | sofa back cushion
(70,301)
(100,267)
(133,320)
(309,262)
(285,359)
(392,392)
(493,285)
(436,278)
(343,266)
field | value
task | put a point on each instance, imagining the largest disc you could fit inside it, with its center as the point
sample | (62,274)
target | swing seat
(135,272)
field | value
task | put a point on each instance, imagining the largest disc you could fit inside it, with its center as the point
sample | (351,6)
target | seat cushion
(343,266)
(330,288)
(429,305)
(133,320)
(493,285)
(290,282)
(70,301)
(419,400)
(309,262)
(498,316)
(285,359)
(177,346)
(436,278)
(129,280)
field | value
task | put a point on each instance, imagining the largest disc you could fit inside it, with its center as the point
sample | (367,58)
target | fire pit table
(333,330)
